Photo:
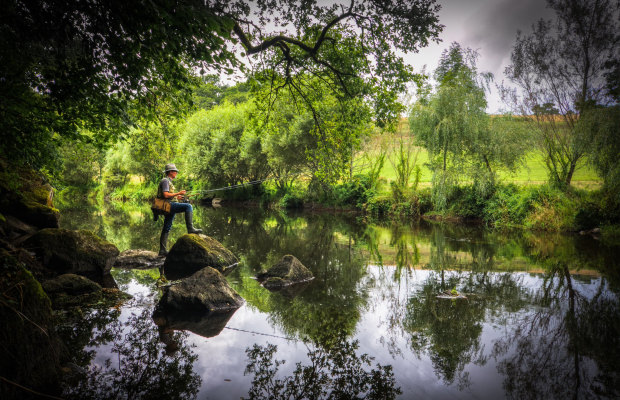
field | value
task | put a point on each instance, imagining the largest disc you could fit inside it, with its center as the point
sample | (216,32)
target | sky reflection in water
(540,318)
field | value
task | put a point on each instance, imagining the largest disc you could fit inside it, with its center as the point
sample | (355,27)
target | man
(165,190)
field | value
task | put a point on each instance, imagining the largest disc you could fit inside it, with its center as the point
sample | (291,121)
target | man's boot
(189,224)
(163,244)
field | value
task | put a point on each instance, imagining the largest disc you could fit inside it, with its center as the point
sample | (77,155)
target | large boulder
(28,198)
(193,252)
(138,259)
(70,289)
(204,292)
(62,251)
(38,215)
(289,270)
(31,352)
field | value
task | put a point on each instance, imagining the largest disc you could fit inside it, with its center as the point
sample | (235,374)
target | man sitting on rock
(165,190)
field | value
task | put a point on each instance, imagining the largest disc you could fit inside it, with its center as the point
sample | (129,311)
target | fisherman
(165,190)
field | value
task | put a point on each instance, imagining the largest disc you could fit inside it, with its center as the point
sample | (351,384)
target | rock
(205,291)
(286,272)
(36,214)
(193,252)
(70,284)
(28,198)
(138,259)
(63,251)
(17,227)
(31,350)
(72,290)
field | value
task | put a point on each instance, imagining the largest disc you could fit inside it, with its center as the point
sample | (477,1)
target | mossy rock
(31,352)
(38,215)
(138,259)
(289,270)
(63,251)
(204,292)
(28,197)
(72,290)
(193,252)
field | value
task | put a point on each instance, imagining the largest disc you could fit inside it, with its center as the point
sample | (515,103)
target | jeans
(176,208)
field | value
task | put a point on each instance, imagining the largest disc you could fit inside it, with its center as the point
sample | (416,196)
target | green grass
(533,173)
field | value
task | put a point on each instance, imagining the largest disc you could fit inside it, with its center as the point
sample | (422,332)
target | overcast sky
(488,26)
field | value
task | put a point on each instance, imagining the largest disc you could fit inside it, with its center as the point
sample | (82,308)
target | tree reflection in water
(336,372)
(139,367)
(568,346)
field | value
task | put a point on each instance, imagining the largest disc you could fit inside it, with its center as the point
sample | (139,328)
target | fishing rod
(236,186)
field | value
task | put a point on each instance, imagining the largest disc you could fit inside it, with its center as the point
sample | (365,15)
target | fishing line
(196,192)
(260,333)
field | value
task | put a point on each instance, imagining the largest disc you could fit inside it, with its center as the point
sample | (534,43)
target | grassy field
(534,172)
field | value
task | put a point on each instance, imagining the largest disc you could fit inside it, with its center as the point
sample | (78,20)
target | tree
(83,64)
(452,124)
(83,164)
(600,130)
(562,65)
(212,144)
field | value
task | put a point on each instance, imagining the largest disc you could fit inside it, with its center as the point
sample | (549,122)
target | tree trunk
(569,175)
(488,164)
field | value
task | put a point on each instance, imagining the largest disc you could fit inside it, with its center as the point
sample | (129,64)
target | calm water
(541,317)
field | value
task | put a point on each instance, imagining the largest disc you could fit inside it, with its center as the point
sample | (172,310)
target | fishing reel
(185,198)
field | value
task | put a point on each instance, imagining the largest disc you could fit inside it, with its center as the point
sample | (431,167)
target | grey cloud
(494,29)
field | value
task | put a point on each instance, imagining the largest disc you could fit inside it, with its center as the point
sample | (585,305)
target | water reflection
(335,372)
(137,366)
(565,347)
(540,318)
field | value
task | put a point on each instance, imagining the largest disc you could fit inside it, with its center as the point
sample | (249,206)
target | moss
(26,315)
(80,252)
(193,252)
(288,270)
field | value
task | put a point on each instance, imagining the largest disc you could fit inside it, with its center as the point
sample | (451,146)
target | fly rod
(236,186)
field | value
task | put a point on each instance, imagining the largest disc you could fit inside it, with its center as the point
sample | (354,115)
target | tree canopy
(67,65)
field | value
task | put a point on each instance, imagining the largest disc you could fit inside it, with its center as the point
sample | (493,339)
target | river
(537,315)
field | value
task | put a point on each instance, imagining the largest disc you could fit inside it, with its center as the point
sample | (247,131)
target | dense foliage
(452,124)
(72,66)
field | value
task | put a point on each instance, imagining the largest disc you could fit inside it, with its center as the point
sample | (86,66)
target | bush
(425,201)
(290,201)
(507,208)
(379,205)
(598,208)
(142,192)
(354,192)
(466,202)
(536,207)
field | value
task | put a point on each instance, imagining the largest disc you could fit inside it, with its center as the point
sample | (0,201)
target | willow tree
(67,66)
(451,122)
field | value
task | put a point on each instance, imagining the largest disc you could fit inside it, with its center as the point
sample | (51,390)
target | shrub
(425,201)
(466,202)
(354,192)
(379,205)
(536,207)
(291,200)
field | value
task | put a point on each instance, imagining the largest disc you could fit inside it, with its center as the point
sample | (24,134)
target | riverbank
(507,206)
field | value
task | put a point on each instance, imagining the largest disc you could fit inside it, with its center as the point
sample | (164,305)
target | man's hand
(178,195)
